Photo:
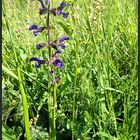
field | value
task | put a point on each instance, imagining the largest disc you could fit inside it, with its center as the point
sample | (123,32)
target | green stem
(54,113)
(74,95)
(25,105)
(23,95)
(51,98)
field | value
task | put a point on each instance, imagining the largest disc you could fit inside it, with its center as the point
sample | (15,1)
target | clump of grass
(23,95)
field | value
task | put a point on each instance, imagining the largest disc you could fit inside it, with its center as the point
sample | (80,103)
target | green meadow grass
(97,97)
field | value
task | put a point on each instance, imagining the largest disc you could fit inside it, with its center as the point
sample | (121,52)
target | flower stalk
(51,108)
(53,58)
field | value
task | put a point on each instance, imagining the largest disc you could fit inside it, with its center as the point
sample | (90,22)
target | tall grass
(97,97)
(24,100)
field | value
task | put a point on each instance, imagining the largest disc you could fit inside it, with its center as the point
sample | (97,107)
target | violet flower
(42,4)
(62,46)
(58,63)
(57,52)
(58,10)
(40,45)
(39,61)
(63,38)
(57,43)
(37,29)
(43,9)
(54,11)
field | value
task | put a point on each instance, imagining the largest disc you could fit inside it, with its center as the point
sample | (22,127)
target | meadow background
(101,57)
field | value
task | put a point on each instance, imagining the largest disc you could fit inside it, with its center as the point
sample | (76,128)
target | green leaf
(65,28)
(9,72)
(7,133)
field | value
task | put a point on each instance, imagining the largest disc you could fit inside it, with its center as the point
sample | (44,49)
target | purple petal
(58,51)
(62,5)
(34,59)
(32,27)
(40,45)
(63,38)
(58,63)
(37,65)
(35,33)
(47,2)
(54,46)
(65,15)
(38,60)
(41,1)
(62,46)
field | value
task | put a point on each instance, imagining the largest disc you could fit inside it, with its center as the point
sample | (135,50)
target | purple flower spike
(40,45)
(58,63)
(42,4)
(33,27)
(63,38)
